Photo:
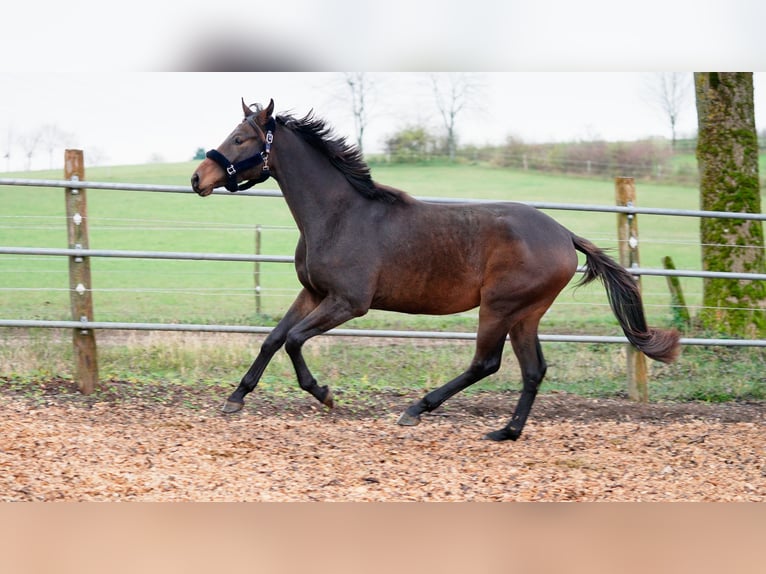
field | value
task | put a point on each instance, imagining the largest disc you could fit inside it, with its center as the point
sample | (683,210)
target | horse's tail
(625,300)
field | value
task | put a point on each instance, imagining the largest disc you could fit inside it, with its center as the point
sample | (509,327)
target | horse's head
(242,160)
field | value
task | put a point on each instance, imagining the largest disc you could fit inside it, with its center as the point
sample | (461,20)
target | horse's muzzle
(195,183)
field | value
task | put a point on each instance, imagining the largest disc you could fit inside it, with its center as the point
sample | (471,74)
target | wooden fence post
(627,236)
(84,340)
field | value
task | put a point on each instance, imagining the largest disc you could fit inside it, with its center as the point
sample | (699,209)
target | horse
(364,245)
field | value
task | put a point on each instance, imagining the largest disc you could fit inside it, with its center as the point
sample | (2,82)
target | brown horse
(368,246)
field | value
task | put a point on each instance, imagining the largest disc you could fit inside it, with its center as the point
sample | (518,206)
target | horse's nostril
(195,179)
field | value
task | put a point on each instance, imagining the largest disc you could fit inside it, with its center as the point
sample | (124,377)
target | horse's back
(510,225)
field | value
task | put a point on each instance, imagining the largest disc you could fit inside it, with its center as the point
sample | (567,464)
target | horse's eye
(238,140)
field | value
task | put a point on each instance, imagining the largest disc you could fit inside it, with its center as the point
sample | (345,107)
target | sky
(142,117)
(132,83)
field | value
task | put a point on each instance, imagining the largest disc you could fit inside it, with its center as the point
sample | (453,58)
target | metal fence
(82,320)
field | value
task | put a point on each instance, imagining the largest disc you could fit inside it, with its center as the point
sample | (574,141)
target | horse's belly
(428,300)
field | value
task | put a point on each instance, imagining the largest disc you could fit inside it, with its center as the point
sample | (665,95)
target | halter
(232,168)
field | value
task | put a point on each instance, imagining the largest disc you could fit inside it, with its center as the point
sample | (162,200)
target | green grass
(142,290)
(218,292)
(356,370)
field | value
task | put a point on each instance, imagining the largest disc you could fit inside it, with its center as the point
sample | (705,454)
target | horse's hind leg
(489,352)
(303,305)
(526,345)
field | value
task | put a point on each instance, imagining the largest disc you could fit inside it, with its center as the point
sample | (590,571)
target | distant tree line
(47,139)
(644,158)
(653,158)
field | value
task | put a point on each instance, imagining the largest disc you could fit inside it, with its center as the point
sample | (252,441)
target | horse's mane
(344,156)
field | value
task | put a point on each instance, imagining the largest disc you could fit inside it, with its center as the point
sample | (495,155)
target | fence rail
(198,256)
(634,210)
(128,254)
(372,333)
(80,252)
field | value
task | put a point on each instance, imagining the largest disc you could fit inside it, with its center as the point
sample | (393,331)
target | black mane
(344,156)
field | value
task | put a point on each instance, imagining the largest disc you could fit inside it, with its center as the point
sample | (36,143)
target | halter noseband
(232,168)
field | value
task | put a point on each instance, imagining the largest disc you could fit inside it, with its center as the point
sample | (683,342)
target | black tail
(625,300)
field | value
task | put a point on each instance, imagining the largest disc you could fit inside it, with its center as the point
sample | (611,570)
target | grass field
(144,290)
(219,292)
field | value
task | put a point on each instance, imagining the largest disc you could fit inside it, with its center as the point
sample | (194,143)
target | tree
(29,143)
(96,156)
(8,147)
(669,91)
(360,87)
(52,137)
(454,92)
(727,155)
(410,144)
(199,154)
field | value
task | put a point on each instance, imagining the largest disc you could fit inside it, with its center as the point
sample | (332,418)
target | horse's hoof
(502,434)
(328,400)
(230,407)
(407,420)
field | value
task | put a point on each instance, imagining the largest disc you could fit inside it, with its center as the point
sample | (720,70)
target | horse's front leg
(330,313)
(302,306)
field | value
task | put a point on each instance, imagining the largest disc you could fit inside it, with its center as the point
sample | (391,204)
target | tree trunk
(727,155)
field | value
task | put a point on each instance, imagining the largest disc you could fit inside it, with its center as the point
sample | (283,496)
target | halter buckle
(231,170)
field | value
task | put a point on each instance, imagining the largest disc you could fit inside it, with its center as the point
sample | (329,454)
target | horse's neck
(315,191)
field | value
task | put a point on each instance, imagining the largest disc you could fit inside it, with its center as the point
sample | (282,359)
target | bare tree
(669,92)
(29,143)
(52,138)
(454,92)
(360,87)
(8,147)
(96,156)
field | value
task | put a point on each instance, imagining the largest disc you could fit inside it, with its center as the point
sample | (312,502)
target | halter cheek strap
(232,169)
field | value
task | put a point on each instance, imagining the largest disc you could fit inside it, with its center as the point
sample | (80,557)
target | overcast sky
(139,117)
(102,71)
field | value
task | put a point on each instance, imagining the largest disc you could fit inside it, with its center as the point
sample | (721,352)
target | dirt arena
(64,447)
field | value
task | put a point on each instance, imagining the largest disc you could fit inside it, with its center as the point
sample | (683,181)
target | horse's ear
(246,109)
(267,111)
